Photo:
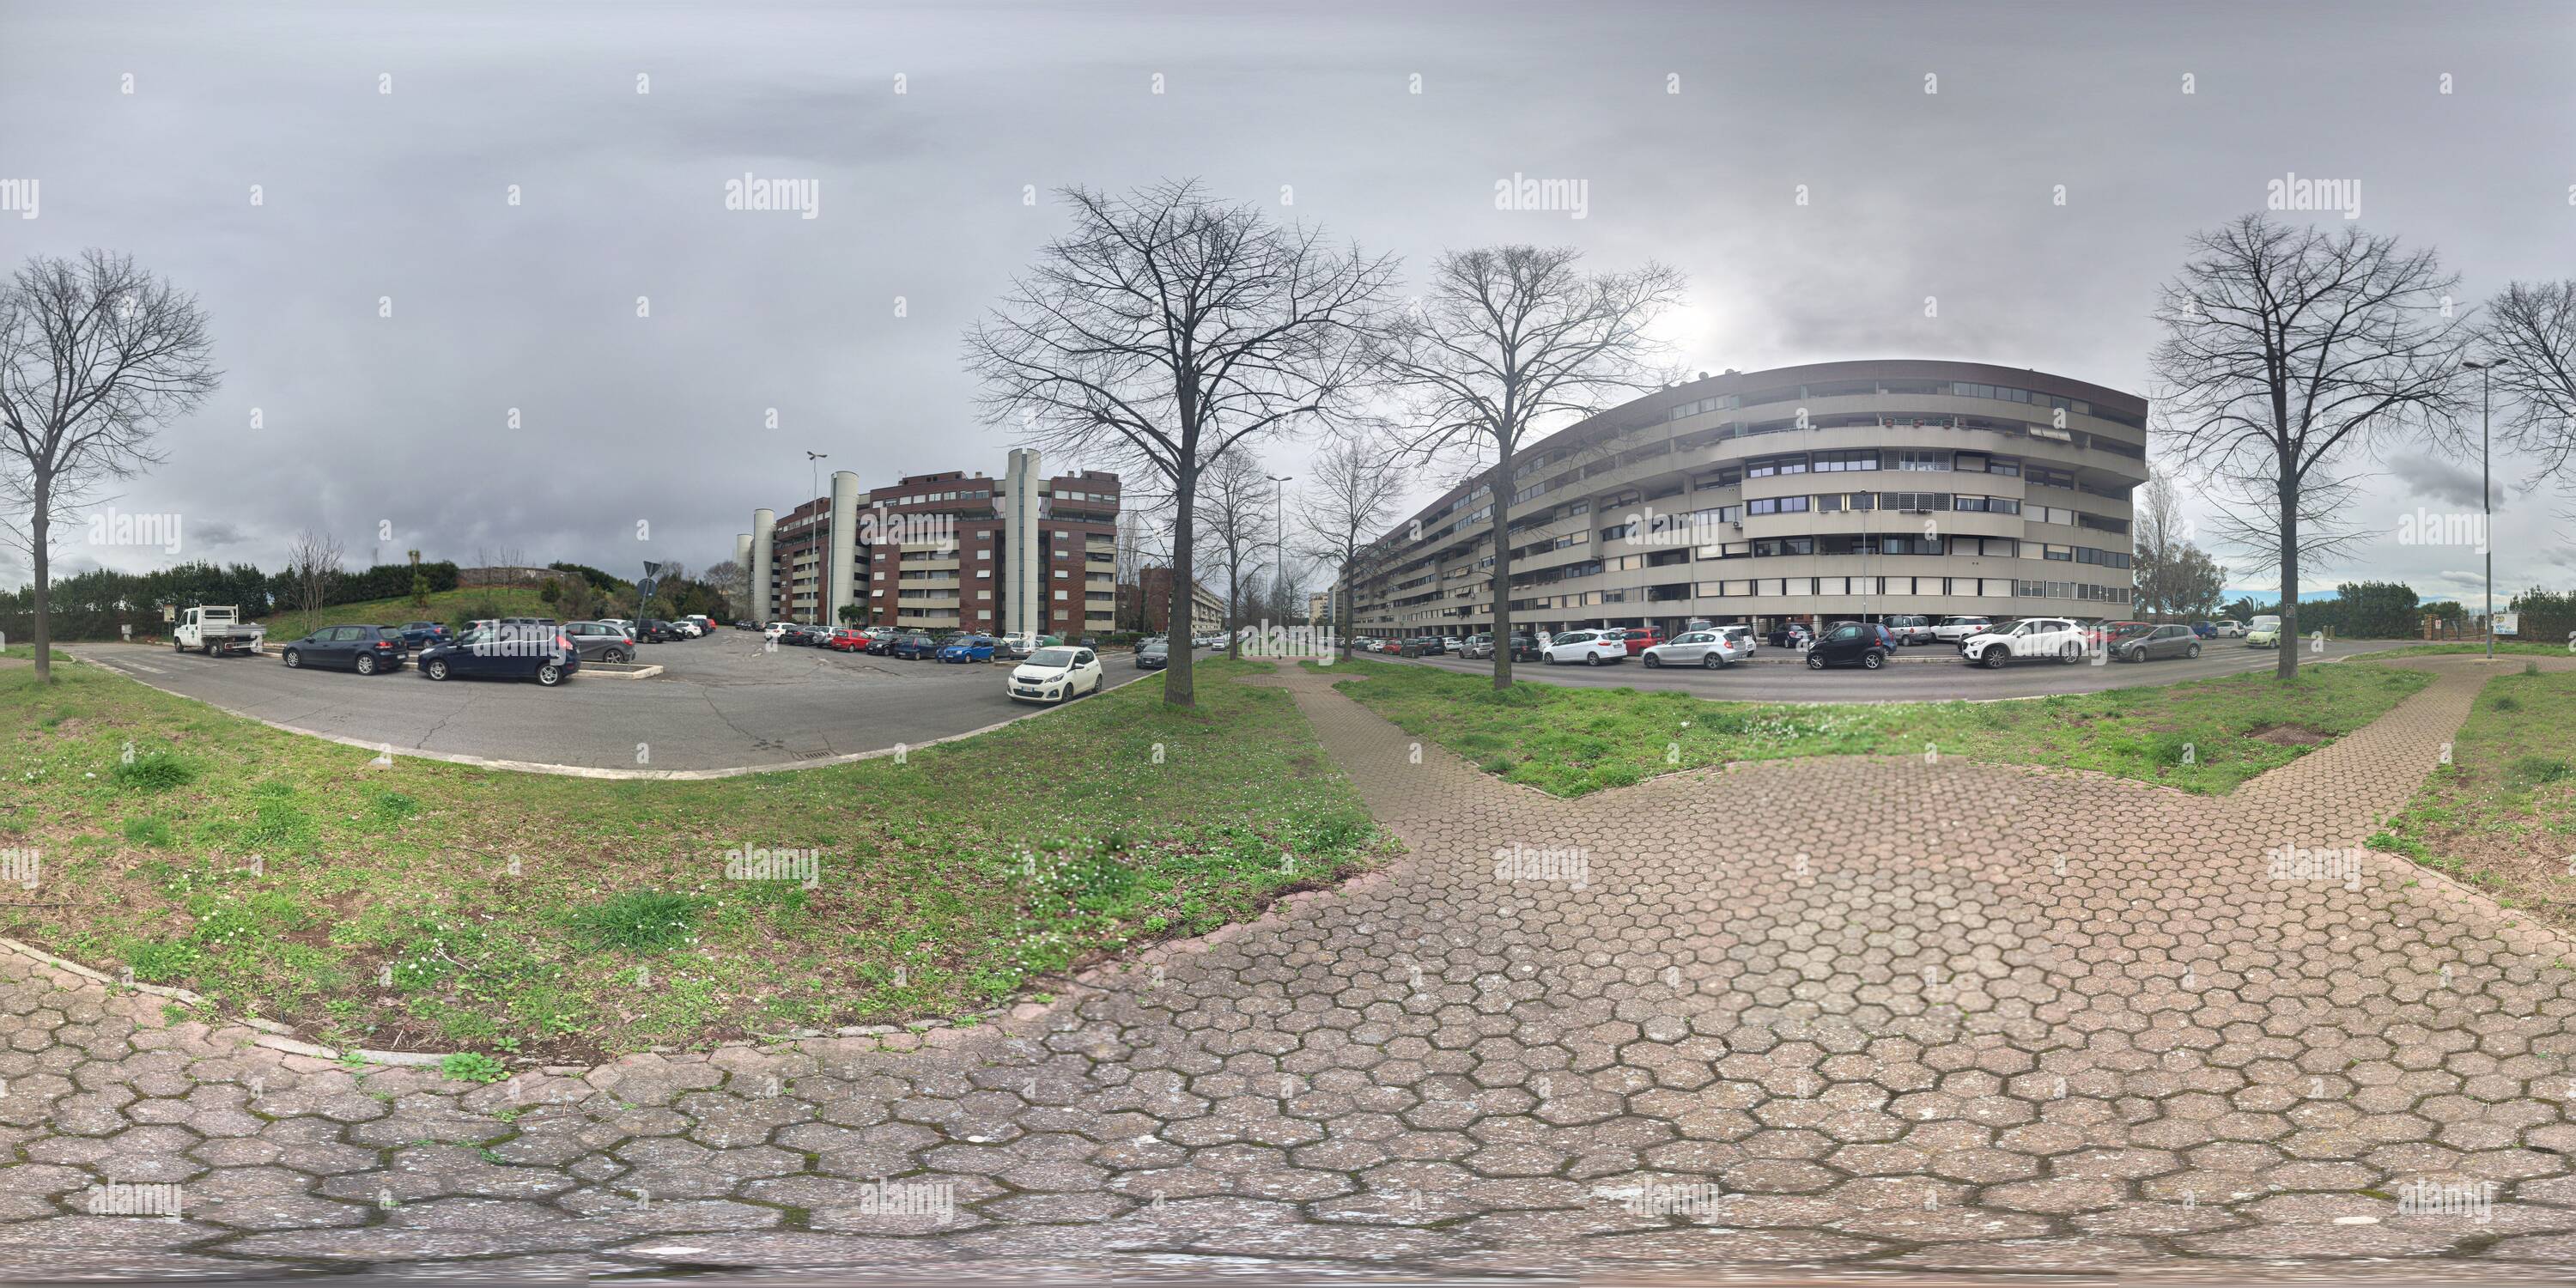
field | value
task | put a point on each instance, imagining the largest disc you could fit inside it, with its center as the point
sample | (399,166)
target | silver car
(1710,649)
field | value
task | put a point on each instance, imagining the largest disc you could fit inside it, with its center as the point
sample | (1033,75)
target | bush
(472,1066)
(2537,770)
(640,921)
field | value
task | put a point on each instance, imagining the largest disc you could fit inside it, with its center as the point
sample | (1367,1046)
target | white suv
(2031,637)
(1591,648)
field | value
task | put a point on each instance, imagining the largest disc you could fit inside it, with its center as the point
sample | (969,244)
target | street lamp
(2486,490)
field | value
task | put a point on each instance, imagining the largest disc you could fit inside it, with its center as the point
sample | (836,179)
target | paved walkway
(1923,1016)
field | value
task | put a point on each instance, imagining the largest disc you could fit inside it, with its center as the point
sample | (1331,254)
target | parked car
(600,641)
(1641,638)
(2029,638)
(746,625)
(363,649)
(215,628)
(1791,635)
(683,628)
(1910,629)
(1591,648)
(2263,632)
(504,651)
(1744,639)
(1475,646)
(1709,648)
(1954,629)
(2156,641)
(2104,634)
(1863,644)
(1432,646)
(847,639)
(653,630)
(775,631)
(420,635)
(1057,673)
(912,646)
(2230,629)
(969,648)
(1525,648)
(1153,655)
(2205,630)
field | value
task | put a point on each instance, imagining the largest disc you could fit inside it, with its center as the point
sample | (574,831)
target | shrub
(2536,770)
(640,921)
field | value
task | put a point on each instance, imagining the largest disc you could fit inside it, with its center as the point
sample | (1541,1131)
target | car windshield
(1052,657)
(2267,623)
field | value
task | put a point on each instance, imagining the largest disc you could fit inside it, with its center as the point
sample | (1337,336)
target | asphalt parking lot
(721,703)
(1926,673)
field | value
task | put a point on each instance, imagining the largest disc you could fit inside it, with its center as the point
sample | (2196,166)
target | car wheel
(294,659)
(1873,659)
(1815,661)
(366,665)
(613,655)
(1712,660)
(207,648)
(1996,657)
(550,675)
(2070,654)
(2195,651)
(435,669)
(1654,663)
(1592,659)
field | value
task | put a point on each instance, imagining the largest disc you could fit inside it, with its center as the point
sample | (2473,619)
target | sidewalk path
(1919,1014)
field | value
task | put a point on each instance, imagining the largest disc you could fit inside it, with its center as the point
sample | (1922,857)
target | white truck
(215,628)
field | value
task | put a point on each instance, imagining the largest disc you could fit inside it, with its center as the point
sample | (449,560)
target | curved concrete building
(1835,491)
(844,551)
(764,526)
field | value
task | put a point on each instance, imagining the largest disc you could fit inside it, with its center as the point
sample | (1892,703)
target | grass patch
(2201,736)
(2502,814)
(440,906)
(2532,648)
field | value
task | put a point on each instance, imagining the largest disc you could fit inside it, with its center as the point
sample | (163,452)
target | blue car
(969,648)
(420,635)
(504,651)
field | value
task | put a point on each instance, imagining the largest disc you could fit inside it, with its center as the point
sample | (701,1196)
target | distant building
(944,551)
(1207,611)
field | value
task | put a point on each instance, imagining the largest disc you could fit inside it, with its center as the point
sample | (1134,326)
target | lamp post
(2486,490)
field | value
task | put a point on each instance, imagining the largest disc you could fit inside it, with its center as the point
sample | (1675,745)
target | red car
(2101,634)
(848,639)
(1641,638)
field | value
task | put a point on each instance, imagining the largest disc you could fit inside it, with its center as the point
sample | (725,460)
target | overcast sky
(366,195)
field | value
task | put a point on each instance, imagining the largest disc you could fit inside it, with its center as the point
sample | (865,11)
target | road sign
(2508,623)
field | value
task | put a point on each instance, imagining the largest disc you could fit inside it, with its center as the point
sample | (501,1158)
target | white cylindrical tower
(842,551)
(764,524)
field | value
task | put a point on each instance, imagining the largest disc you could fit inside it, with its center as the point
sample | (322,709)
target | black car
(913,644)
(652,630)
(882,643)
(600,641)
(1525,649)
(1153,655)
(363,649)
(420,635)
(1852,644)
(501,651)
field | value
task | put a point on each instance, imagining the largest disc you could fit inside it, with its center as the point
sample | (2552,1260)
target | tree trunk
(1342,608)
(1180,615)
(2286,666)
(1503,565)
(40,526)
(1233,607)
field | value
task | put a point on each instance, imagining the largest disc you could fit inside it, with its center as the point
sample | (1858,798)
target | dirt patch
(2291,735)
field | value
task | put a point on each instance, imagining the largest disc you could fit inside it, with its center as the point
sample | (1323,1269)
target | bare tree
(1351,493)
(728,580)
(2530,331)
(1168,329)
(1509,339)
(95,357)
(2290,351)
(1233,520)
(312,569)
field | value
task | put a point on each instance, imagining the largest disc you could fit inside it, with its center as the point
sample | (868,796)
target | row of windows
(1902,388)
(1803,587)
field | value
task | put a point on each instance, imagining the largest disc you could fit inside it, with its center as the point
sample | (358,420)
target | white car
(1709,648)
(1591,648)
(2030,638)
(2230,629)
(687,629)
(1054,674)
(1954,630)
(773,630)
